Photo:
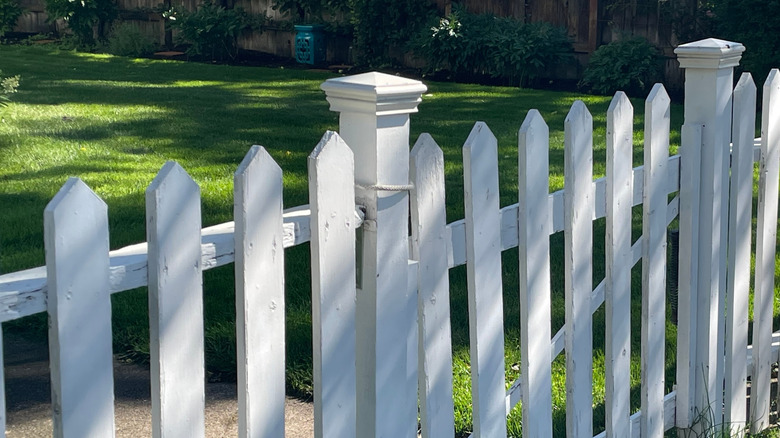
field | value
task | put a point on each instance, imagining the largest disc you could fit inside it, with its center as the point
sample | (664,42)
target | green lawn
(115,121)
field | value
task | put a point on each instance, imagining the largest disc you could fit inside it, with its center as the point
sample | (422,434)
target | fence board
(175,304)
(332,195)
(534,261)
(619,192)
(260,305)
(483,266)
(578,249)
(429,242)
(738,276)
(79,304)
(766,239)
(687,289)
(656,155)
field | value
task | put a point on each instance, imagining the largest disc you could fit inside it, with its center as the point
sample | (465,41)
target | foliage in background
(10,11)
(477,45)
(379,25)
(631,65)
(127,39)
(212,30)
(83,17)
(756,24)
(7,87)
(312,11)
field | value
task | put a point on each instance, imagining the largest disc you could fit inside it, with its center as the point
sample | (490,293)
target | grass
(115,121)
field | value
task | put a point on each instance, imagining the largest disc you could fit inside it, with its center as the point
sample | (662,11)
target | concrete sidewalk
(28,395)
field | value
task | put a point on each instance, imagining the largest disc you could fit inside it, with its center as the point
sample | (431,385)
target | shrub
(478,45)
(127,40)
(10,11)
(83,16)
(211,31)
(7,87)
(632,65)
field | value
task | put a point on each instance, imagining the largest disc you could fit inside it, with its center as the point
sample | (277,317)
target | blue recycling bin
(310,44)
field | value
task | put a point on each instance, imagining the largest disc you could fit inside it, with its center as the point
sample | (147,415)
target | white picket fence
(382,343)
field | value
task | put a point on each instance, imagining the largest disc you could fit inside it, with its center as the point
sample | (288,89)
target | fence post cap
(709,53)
(374,93)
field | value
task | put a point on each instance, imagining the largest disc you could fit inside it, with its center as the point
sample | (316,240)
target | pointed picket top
(480,135)
(330,144)
(579,117)
(772,84)
(534,129)
(79,307)
(657,120)
(170,178)
(425,147)
(619,107)
(257,158)
(657,102)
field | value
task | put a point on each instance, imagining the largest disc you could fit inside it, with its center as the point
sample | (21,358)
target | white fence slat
(534,263)
(738,276)
(619,192)
(578,275)
(766,239)
(483,248)
(3,409)
(412,349)
(332,196)
(656,155)
(173,224)
(429,242)
(260,308)
(687,289)
(79,303)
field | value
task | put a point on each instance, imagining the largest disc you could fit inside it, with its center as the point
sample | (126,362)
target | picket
(429,227)
(656,155)
(332,196)
(619,190)
(687,284)
(79,304)
(738,276)
(578,266)
(766,235)
(260,304)
(175,304)
(483,267)
(534,261)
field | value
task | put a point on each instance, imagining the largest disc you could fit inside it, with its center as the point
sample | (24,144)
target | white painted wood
(332,196)
(617,293)
(766,240)
(260,304)
(82,383)
(738,276)
(412,345)
(429,242)
(636,418)
(374,122)
(534,268)
(483,267)
(709,66)
(687,284)
(578,275)
(173,225)
(656,155)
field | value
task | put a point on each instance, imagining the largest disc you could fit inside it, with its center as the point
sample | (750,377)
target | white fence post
(374,122)
(260,309)
(82,381)
(173,226)
(709,70)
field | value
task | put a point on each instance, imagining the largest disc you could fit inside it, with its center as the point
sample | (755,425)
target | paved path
(29,408)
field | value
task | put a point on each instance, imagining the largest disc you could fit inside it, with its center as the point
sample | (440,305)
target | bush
(473,46)
(211,31)
(7,87)
(10,11)
(83,16)
(127,40)
(632,65)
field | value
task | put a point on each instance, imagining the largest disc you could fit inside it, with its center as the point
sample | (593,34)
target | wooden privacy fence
(381,323)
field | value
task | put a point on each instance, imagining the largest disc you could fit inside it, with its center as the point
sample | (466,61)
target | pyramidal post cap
(709,53)
(374,93)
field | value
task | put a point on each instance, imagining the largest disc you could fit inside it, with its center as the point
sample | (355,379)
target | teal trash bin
(310,44)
